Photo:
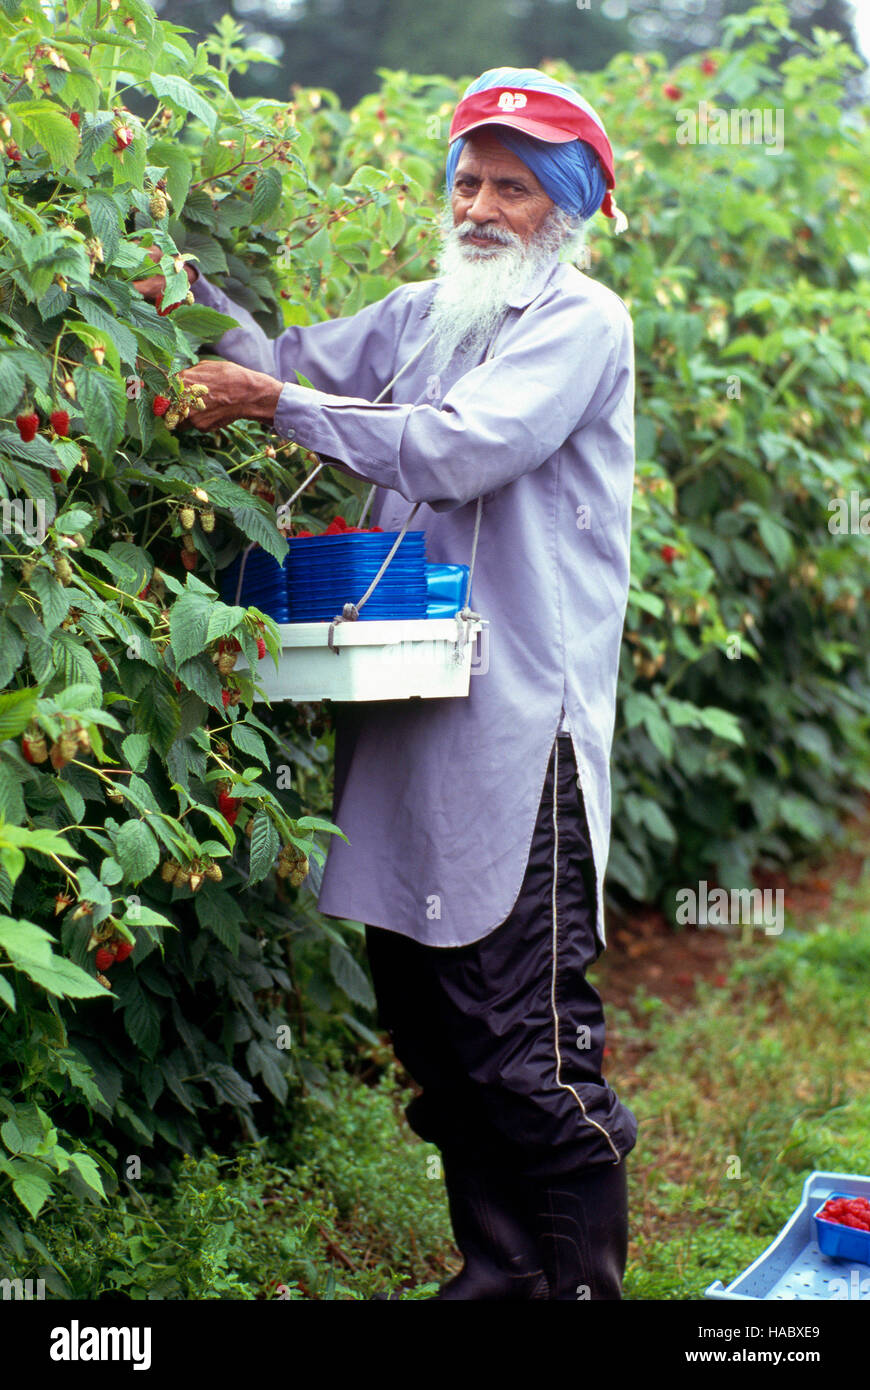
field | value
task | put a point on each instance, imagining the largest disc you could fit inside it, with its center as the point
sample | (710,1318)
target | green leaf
(7,993)
(265,844)
(723,723)
(136,748)
(169,155)
(32,1191)
(11,798)
(229,1085)
(249,741)
(266,196)
(262,529)
(53,129)
(87,1171)
(188,625)
(103,403)
(178,92)
(349,976)
(137,850)
(17,708)
(157,713)
(142,1021)
(53,596)
(202,323)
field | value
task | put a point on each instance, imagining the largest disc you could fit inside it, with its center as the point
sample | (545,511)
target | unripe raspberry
(168,870)
(187,516)
(63,569)
(225,662)
(213,872)
(83,739)
(207,520)
(115,796)
(157,205)
(34,746)
(188,542)
(195,881)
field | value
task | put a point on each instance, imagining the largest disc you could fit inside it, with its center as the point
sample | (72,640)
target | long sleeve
(561,363)
(344,356)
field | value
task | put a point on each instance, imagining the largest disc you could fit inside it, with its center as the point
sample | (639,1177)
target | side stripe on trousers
(564,1085)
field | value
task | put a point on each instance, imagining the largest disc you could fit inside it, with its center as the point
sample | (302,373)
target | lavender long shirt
(439,798)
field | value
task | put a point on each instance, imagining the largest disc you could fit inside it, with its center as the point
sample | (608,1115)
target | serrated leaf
(265,844)
(157,713)
(137,850)
(188,625)
(178,92)
(103,402)
(249,741)
(32,1191)
(53,596)
(17,708)
(257,527)
(349,976)
(88,1172)
(142,1021)
(53,129)
(136,748)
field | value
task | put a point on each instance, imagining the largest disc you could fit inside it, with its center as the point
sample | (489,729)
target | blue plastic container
(839,1241)
(445,585)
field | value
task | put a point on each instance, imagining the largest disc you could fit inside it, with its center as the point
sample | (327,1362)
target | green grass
(743,1095)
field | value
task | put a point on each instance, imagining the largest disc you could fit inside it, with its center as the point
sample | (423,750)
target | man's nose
(484,206)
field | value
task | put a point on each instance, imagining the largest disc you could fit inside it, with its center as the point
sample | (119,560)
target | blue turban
(569,173)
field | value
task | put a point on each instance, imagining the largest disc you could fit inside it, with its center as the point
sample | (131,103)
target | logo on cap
(512,101)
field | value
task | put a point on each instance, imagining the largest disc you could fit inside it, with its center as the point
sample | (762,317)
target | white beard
(475,283)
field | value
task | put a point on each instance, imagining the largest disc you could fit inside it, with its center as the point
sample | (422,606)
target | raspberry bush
(158,832)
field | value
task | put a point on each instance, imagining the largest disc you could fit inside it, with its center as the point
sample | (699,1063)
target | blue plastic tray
(793,1266)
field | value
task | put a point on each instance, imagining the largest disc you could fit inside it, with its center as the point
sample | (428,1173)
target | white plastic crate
(417,658)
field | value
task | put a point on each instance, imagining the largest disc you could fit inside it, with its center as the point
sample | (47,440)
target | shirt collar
(535,284)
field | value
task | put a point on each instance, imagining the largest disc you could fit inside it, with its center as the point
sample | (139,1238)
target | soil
(645,952)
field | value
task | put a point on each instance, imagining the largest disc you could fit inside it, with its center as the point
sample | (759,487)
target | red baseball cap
(543,115)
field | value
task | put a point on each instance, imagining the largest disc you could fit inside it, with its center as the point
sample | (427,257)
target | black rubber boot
(494,1233)
(582,1224)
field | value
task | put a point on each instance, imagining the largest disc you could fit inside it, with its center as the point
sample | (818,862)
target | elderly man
(479,828)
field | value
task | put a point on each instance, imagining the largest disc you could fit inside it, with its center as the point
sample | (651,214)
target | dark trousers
(506,1036)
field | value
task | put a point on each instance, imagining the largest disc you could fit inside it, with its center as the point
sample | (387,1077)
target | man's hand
(234,393)
(152,286)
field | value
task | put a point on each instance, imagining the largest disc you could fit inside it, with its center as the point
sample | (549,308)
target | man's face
(495,193)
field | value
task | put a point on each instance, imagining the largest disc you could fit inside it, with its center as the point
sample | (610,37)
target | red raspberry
(13,151)
(55,475)
(75,118)
(123,138)
(671,92)
(123,950)
(27,425)
(708,66)
(229,807)
(261,649)
(669,554)
(160,405)
(225,697)
(105,959)
(188,559)
(59,420)
(169,307)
